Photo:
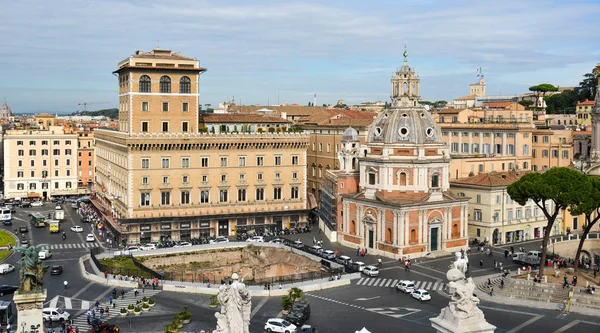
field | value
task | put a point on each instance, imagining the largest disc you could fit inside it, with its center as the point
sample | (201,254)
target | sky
(57,54)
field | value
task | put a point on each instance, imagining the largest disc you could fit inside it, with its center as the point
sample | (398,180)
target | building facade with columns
(403,205)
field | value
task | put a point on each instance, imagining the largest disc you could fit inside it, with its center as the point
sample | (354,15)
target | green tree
(440,104)
(587,87)
(542,89)
(341,106)
(587,201)
(565,102)
(526,102)
(551,191)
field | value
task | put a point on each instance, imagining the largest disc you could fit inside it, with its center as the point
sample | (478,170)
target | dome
(350,134)
(411,125)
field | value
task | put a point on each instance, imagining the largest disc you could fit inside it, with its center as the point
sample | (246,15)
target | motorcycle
(64,236)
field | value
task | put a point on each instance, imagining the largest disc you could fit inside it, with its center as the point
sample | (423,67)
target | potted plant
(145,307)
(138,302)
(286,304)
(151,302)
(185,316)
(137,311)
(214,301)
(130,308)
(123,312)
(145,300)
(178,323)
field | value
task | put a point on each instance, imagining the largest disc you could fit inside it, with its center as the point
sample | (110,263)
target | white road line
(389,283)
(567,326)
(395,283)
(381,282)
(260,305)
(435,286)
(428,286)
(527,323)
(85,305)
(417,284)
(371,281)
(68,303)
(53,302)
(360,281)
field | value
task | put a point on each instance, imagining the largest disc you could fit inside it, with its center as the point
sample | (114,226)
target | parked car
(421,295)
(23,229)
(316,249)
(25,204)
(11,206)
(279,325)
(297,318)
(358,265)
(219,240)
(74,205)
(25,242)
(183,244)
(298,244)
(37,204)
(277,241)
(406,286)
(7,290)
(90,238)
(148,247)
(371,270)
(45,254)
(256,239)
(6,268)
(56,270)
(328,254)
(58,207)
(55,314)
(77,228)
(344,260)
(133,248)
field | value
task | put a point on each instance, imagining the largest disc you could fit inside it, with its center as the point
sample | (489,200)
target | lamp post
(23,324)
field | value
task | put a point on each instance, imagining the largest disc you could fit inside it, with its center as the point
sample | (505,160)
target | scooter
(64,236)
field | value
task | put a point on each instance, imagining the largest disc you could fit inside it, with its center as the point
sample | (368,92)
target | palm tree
(295,294)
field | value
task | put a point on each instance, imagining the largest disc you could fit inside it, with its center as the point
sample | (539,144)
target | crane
(85,104)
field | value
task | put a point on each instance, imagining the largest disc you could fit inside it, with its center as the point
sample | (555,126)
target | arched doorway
(369,222)
(496,237)
(434,234)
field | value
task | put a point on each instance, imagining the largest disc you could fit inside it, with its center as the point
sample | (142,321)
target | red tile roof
(491,179)
(213,118)
(341,117)
(451,111)
(497,105)
(586,102)
(466,98)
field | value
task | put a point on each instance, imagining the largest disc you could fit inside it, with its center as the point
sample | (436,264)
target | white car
(219,240)
(183,244)
(37,204)
(371,271)
(6,268)
(421,295)
(77,228)
(298,244)
(148,247)
(55,314)
(406,286)
(359,265)
(58,207)
(133,249)
(328,254)
(90,238)
(45,254)
(279,325)
(277,241)
(256,239)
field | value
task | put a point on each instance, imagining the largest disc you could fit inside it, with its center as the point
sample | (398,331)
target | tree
(551,191)
(440,104)
(587,201)
(341,106)
(587,87)
(565,102)
(526,102)
(542,89)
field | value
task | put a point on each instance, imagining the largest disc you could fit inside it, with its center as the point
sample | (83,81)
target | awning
(33,195)
(312,202)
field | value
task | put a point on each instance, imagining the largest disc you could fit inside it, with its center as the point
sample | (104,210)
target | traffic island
(7,241)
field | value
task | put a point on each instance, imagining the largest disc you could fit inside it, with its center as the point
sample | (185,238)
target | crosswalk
(64,246)
(128,298)
(68,303)
(381,282)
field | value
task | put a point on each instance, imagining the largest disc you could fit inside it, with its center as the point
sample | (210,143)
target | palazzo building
(403,205)
(165,176)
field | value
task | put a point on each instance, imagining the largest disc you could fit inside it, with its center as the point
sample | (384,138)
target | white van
(316,249)
(406,286)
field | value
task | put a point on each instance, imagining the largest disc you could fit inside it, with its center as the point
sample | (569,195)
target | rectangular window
(20,163)
(144,199)
(242,178)
(294,193)
(277,160)
(145,180)
(510,149)
(259,176)
(20,174)
(165,163)
(56,162)
(260,161)
(277,193)
(204,196)
(223,178)
(241,194)
(477,215)
(498,200)
(205,178)
(465,148)
(185,126)
(295,159)
(223,161)
(145,126)
(242,161)
(204,162)
(554,153)
(165,198)
(544,153)
(277,176)
(165,179)
(55,173)
(223,195)
(19,143)
(454,147)
(44,143)
(56,142)
(185,197)
(68,161)
(165,106)
(33,163)
(165,126)
(329,147)
(145,163)
(145,107)
(68,172)
(294,176)
(44,152)
(185,179)
(260,194)
(21,152)
(31,152)
(185,107)
(565,154)
(185,162)
(44,186)
(56,152)
(545,139)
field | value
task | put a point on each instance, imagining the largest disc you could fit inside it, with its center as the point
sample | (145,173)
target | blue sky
(56,54)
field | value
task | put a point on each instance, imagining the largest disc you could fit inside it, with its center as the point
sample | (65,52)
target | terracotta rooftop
(466,98)
(586,102)
(240,118)
(44,115)
(491,179)
(289,110)
(498,105)
(451,111)
(340,117)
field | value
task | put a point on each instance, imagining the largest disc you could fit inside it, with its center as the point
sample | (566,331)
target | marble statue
(235,303)
(32,269)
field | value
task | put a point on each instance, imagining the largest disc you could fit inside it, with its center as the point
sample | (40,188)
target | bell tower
(348,155)
(405,85)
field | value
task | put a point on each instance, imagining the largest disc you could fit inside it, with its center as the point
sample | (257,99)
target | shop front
(165,232)
(145,233)
(223,227)
(185,231)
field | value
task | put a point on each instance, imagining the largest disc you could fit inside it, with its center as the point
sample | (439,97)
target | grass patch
(5,239)
(124,266)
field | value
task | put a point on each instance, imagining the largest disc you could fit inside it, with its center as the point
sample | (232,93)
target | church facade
(5,111)
(402,205)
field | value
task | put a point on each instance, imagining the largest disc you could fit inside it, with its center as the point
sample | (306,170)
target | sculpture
(463,303)
(32,269)
(235,303)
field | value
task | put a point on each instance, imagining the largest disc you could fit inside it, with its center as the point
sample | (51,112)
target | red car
(56,270)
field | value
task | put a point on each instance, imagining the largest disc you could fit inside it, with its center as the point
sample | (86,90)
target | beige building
(493,215)
(40,163)
(160,177)
(583,111)
(551,148)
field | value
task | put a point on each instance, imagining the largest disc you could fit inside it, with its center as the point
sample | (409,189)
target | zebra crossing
(68,303)
(128,298)
(391,283)
(64,246)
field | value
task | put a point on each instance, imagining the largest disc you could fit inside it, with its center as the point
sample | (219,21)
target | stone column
(420,230)
(29,309)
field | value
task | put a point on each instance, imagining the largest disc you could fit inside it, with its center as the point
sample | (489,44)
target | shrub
(137,309)
(286,302)
(123,310)
(151,301)
(145,306)
(130,307)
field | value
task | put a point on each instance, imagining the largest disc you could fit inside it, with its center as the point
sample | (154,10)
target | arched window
(144,84)
(405,88)
(402,179)
(388,235)
(435,181)
(185,85)
(455,231)
(413,236)
(165,85)
(353,227)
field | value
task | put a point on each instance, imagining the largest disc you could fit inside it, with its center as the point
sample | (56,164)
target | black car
(6,290)
(7,222)
(56,270)
(23,229)
(297,318)
(25,242)
(25,204)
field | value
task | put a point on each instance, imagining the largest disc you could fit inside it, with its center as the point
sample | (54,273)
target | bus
(5,215)
(6,312)
(38,220)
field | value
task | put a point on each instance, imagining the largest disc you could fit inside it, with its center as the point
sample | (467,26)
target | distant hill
(111,113)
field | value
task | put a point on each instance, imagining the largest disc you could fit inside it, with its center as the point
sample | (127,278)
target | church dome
(350,134)
(413,125)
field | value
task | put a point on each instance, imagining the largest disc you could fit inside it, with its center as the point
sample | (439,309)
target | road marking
(53,302)
(389,282)
(428,285)
(382,282)
(527,323)
(85,305)
(435,286)
(370,281)
(260,305)
(68,304)
(367,298)
(567,326)
(417,284)
(360,281)
(82,289)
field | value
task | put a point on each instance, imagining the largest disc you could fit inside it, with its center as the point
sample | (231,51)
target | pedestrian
(505,253)
(566,282)
(76,329)
(595,272)
(93,313)
(314,241)
(491,291)
(63,327)
(65,284)
(153,286)
(502,284)
(574,280)
(91,330)
(89,317)
(135,293)
(481,263)
(357,250)
(366,251)
(122,294)
(495,264)
(314,329)
(489,283)
(106,275)
(8,328)
(107,311)
(101,313)
(110,300)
